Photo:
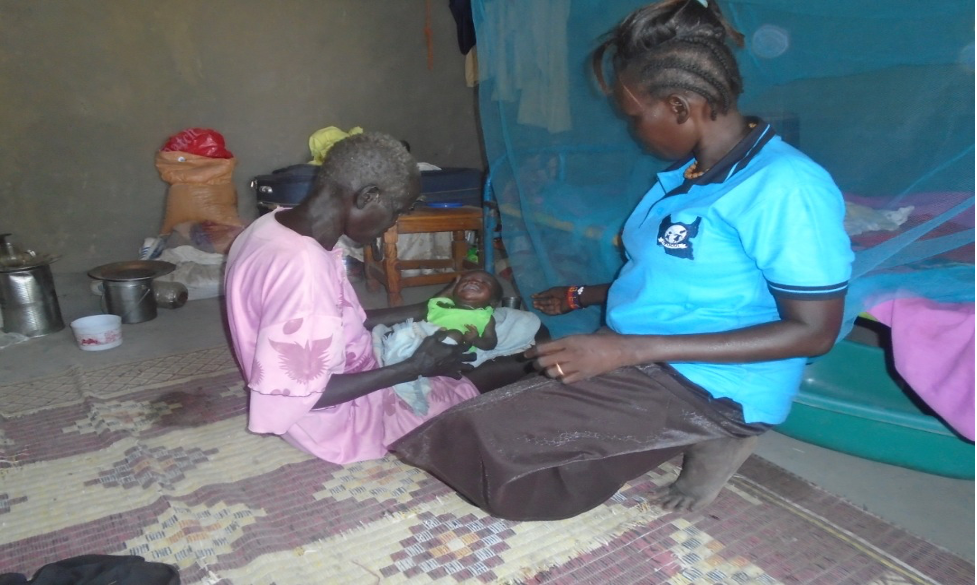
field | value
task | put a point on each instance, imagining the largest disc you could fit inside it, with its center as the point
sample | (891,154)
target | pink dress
(295,321)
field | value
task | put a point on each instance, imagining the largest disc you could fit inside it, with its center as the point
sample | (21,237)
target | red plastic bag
(199,141)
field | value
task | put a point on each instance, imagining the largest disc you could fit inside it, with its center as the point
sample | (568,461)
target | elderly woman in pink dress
(298,328)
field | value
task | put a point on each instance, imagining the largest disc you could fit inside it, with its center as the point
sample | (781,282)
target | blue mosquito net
(880,94)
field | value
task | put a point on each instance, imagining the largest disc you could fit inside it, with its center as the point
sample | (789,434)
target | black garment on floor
(98,570)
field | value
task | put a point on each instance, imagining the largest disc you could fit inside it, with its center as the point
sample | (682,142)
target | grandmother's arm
(390,315)
(806,328)
(432,358)
(417,311)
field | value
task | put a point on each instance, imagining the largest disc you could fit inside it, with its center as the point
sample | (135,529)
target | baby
(467,309)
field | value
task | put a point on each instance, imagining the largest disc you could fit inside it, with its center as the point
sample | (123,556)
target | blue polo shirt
(707,255)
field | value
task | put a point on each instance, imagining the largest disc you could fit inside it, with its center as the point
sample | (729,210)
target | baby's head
(477,289)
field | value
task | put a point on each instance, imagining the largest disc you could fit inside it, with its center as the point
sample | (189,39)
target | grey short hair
(371,158)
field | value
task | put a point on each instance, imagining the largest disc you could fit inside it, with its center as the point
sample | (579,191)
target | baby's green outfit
(453,317)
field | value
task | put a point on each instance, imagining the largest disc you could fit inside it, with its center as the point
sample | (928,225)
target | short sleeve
(300,343)
(796,236)
(297,357)
(292,365)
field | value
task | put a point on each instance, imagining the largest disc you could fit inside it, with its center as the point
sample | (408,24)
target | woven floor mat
(154,459)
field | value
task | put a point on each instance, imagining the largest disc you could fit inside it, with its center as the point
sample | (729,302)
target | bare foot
(706,467)
(672,499)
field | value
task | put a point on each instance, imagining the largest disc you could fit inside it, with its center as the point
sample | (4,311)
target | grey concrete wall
(91,89)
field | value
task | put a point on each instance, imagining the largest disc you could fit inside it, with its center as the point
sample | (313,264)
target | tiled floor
(936,508)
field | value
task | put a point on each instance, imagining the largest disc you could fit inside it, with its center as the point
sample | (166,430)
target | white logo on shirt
(675,237)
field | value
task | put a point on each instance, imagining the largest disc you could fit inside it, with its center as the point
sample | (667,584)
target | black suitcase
(448,187)
(451,187)
(284,187)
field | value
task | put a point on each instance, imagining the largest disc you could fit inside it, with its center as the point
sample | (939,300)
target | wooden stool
(387,271)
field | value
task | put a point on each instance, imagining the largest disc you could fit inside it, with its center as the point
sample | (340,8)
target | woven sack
(201,189)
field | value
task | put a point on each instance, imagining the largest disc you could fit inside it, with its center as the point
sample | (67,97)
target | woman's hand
(436,358)
(552,301)
(578,357)
(431,358)
(806,328)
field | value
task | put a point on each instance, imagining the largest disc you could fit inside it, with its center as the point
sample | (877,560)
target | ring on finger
(559,370)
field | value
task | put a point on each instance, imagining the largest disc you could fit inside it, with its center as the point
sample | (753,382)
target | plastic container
(170,295)
(98,332)
(850,403)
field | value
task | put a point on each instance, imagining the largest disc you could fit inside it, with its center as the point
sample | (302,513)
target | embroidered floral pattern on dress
(292,326)
(303,363)
(360,362)
(257,373)
(439,394)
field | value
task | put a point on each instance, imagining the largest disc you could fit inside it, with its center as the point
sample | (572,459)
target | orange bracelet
(573,297)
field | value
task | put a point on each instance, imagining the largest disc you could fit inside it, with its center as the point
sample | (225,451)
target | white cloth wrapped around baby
(516,330)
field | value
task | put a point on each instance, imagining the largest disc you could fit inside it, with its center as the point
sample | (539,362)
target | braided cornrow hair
(675,45)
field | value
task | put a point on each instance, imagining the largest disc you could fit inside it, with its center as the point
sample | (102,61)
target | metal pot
(28,301)
(128,288)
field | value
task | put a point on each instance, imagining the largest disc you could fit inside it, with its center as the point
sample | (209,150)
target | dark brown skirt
(543,450)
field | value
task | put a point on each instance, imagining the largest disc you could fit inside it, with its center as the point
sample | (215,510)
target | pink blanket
(933,350)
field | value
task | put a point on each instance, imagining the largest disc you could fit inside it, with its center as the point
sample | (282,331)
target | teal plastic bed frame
(849,402)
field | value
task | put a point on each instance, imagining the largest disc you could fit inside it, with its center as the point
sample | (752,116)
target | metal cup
(511,302)
(133,300)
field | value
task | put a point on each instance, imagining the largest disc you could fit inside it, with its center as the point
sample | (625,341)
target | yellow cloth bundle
(323,140)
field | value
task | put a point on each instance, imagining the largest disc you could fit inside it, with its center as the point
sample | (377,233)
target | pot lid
(26,263)
(132,270)
(14,258)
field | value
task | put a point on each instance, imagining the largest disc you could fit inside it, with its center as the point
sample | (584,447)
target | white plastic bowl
(98,332)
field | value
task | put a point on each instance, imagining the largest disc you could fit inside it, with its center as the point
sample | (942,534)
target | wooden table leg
(370,266)
(390,268)
(459,249)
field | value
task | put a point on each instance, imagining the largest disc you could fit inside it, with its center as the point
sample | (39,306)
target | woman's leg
(500,372)
(544,450)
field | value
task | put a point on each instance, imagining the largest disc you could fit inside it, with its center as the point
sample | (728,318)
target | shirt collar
(734,161)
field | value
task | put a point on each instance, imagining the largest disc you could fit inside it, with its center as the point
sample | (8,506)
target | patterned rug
(153,459)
